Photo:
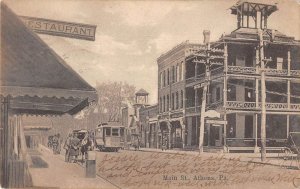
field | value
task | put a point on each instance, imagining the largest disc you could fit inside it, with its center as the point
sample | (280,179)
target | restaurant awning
(34,77)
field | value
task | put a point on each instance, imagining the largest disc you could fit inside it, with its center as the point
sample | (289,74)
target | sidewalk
(59,174)
(273,159)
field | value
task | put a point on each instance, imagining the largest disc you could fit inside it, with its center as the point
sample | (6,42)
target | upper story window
(168,77)
(172,101)
(164,104)
(164,76)
(160,104)
(279,63)
(177,100)
(218,94)
(181,103)
(161,79)
(177,73)
(168,102)
(173,74)
(181,70)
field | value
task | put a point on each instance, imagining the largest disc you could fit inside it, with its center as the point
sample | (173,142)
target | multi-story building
(173,101)
(234,88)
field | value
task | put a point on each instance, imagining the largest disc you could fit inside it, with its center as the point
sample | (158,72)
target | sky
(131,35)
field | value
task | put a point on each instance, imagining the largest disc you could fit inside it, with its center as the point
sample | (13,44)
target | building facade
(234,86)
(229,73)
(175,124)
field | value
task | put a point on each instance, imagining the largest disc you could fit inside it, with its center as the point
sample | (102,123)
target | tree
(112,97)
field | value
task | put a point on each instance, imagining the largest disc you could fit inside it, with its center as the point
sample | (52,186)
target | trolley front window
(107,131)
(115,132)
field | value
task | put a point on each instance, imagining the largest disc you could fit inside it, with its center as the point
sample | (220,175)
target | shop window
(115,132)
(107,131)
(248,126)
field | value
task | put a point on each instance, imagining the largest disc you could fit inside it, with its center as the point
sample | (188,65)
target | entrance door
(215,136)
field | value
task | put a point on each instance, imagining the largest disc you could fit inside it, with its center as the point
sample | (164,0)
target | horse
(86,145)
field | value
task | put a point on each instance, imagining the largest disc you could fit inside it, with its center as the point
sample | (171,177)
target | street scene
(150,94)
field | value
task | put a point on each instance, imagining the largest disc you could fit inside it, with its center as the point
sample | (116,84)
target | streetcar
(110,137)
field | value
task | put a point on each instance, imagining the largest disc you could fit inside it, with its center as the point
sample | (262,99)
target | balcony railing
(243,70)
(252,70)
(269,106)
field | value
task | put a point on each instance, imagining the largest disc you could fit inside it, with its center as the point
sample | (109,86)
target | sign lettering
(60,28)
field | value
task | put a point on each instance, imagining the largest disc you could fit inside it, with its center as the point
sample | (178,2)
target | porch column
(256,149)
(5,143)
(225,93)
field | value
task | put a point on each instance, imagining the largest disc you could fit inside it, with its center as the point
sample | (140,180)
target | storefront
(34,81)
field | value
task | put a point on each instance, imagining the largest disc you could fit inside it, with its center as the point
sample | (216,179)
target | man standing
(75,144)
(67,147)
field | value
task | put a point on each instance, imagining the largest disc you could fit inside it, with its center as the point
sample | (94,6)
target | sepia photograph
(161,94)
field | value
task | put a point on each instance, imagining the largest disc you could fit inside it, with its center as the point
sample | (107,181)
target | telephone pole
(263,96)
(206,34)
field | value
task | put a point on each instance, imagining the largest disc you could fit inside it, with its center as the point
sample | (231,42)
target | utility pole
(206,34)
(263,96)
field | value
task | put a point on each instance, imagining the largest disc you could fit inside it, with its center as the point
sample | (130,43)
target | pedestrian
(74,150)
(67,147)
(55,144)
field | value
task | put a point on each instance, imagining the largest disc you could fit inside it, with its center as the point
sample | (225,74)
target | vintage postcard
(150,94)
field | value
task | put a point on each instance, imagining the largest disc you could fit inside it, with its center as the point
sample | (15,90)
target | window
(161,80)
(248,126)
(218,94)
(173,74)
(279,63)
(115,132)
(173,101)
(182,70)
(177,100)
(164,78)
(249,92)
(168,102)
(177,73)
(160,104)
(164,104)
(168,77)
(181,104)
(107,131)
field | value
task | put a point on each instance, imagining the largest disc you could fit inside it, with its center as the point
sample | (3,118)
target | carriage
(292,149)
(110,137)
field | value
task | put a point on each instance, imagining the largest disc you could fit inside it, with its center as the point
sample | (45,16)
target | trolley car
(110,137)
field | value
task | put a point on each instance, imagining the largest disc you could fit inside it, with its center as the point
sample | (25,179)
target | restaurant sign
(60,28)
